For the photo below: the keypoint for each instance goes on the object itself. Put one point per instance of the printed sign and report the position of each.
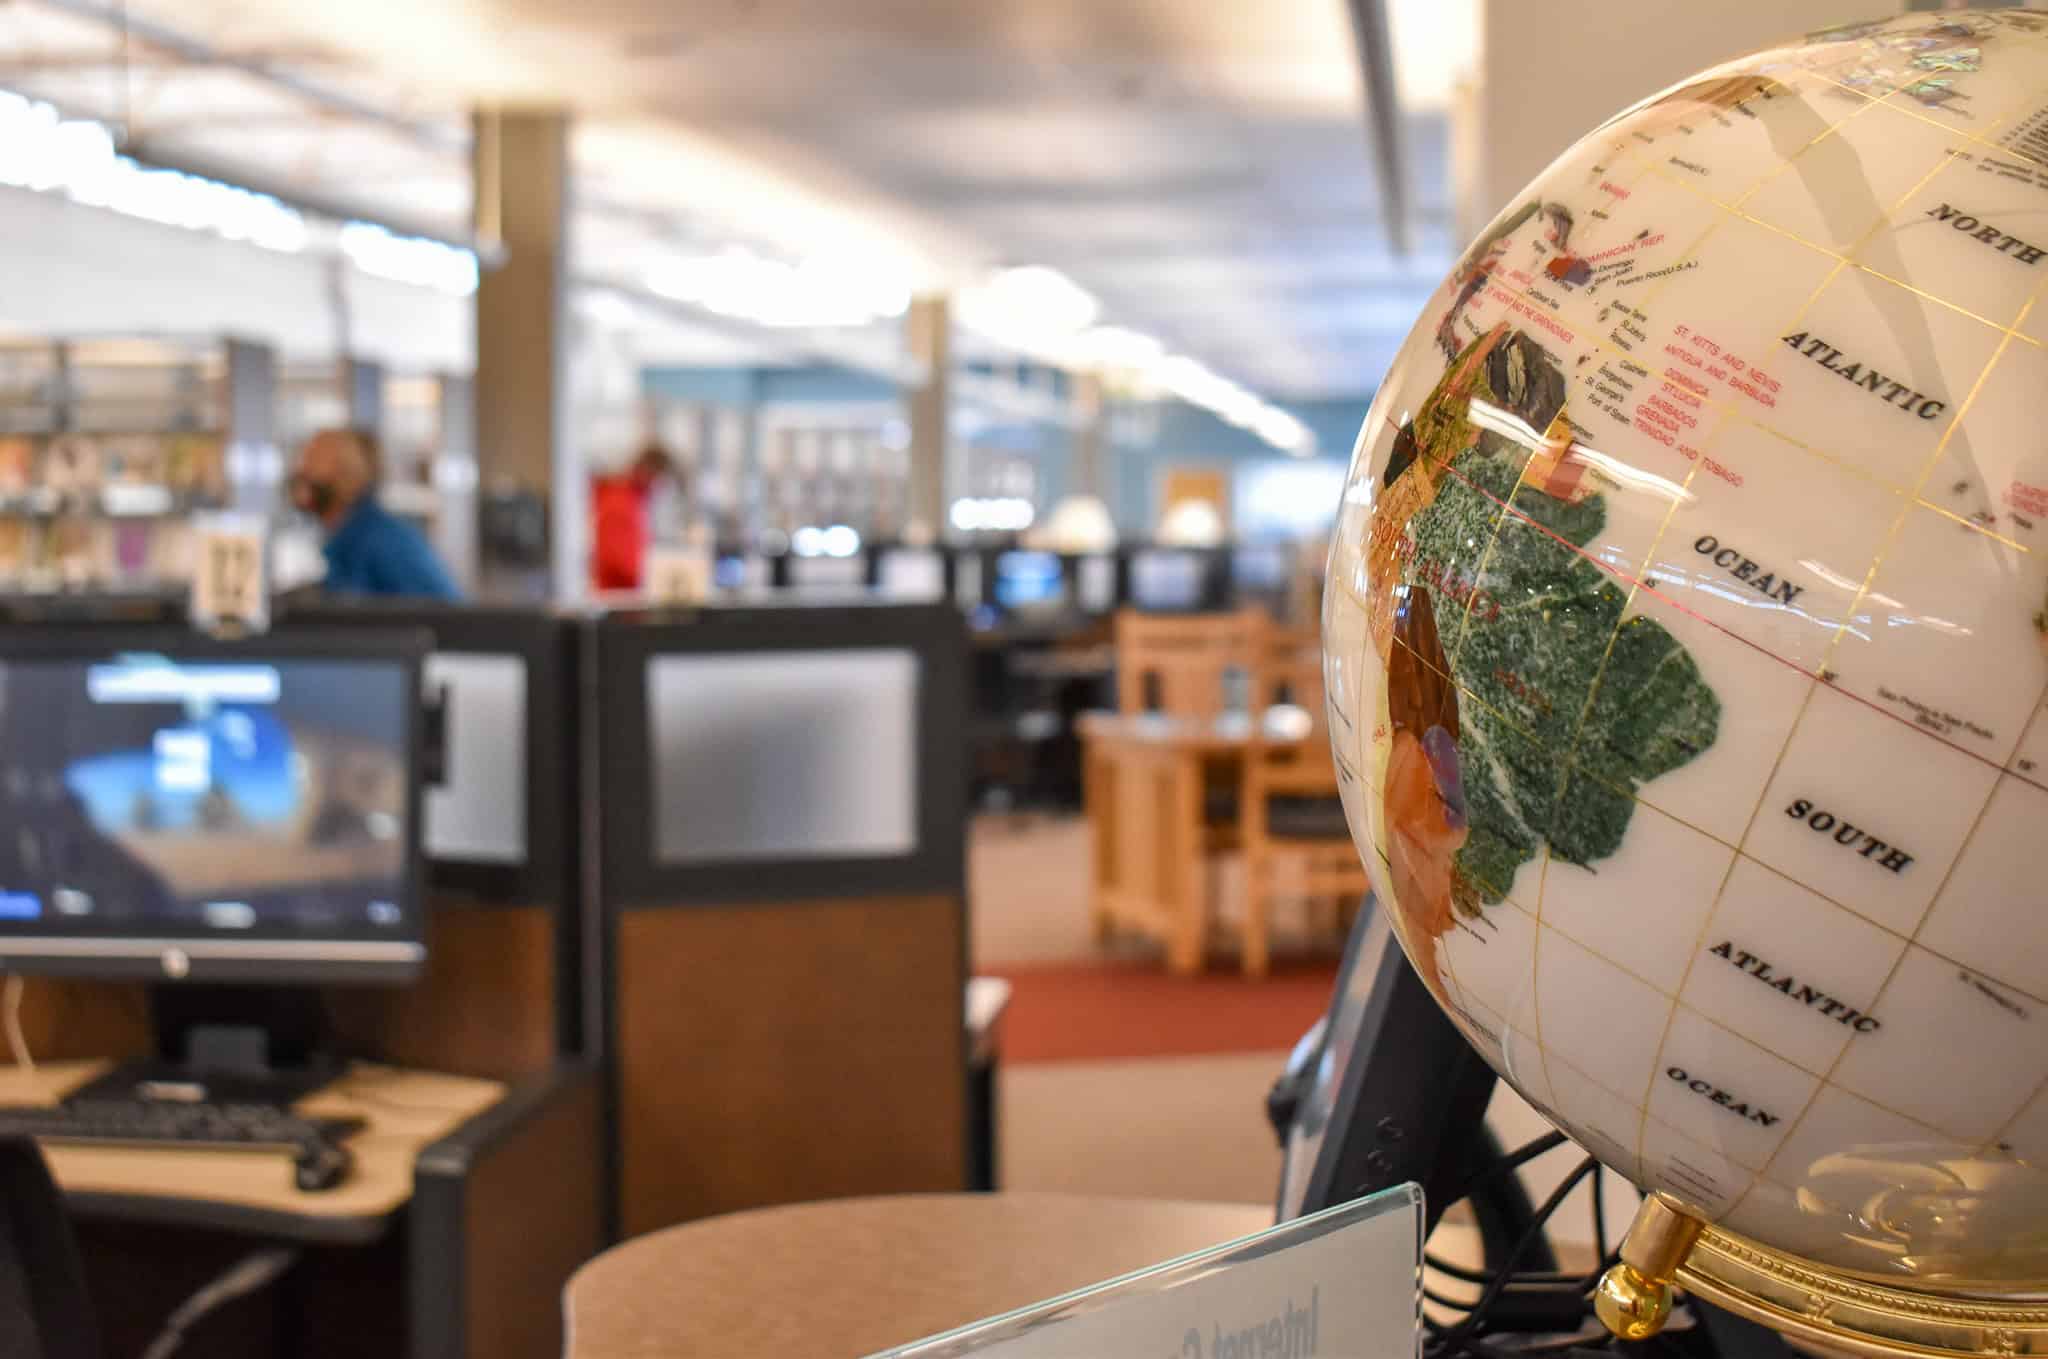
(677, 576)
(230, 586)
(1342, 1284)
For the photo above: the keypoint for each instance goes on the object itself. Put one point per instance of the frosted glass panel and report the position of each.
(913, 574)
(784, 755)
(478, 813)
(1098, 584)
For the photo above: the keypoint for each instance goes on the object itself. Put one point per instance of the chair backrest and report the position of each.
(1290, 671)
(45, 1312)
(1182, 665)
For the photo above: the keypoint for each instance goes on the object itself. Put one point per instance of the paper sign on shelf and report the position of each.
(230, 575)
(1342, 1284)
(677, 576)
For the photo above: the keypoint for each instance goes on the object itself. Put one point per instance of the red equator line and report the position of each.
(1611, 570)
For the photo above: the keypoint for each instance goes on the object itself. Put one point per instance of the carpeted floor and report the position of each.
(1108, 1010)
(1117, 1079)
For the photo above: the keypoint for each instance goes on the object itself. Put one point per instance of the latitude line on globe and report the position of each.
(1725, 405)
(1647, 585)
(1714, 907)
(1776, 872)
(1721, 892)
(1898, 524)
(1479, 571)
(2005, 1129)
(1661, 173)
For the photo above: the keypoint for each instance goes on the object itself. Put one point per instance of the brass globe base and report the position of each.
(1666, 1247)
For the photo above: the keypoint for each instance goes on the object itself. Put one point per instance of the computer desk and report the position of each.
(252, 1191)
(469, 1203)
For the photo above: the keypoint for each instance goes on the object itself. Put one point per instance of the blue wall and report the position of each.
(1185, 435)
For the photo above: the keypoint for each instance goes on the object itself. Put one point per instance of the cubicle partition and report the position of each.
(783, 893)
(503, 996)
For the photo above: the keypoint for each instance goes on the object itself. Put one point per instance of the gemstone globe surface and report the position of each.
(1684, 643)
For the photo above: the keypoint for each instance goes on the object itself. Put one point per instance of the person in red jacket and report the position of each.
(618, 513)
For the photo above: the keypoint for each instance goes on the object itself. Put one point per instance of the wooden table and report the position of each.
(1143, 780)
(403, 1111)
(853, 1276)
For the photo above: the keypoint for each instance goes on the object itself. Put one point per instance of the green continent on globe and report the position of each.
(1573, 707)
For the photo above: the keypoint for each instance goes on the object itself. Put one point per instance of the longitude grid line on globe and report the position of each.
(1479, 573)
(1507, 896)
(1806, 706)
(1933, 461)
(1735, 209)
(1912, 496)
(1726, 405)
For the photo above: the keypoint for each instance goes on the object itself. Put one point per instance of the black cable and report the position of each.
(1480, 1276)
(1477, 1316)
(1510, 1163)
(1455, 1304)
(1600, 1214)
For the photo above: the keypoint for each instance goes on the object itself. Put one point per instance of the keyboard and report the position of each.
(171, 1123)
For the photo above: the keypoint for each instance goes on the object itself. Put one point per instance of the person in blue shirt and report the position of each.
(370, 551)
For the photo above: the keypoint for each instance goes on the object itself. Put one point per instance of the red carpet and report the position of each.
(1096, 1011)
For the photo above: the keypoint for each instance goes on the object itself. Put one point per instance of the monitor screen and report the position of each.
(238, 803)
(827, 573)
(1261, 568)
(1029, 580)
(1096, 577)
(1333, 1062)
(912, 574)
(1164, 579)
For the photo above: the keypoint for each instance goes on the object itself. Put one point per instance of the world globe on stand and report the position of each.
(1684, 646)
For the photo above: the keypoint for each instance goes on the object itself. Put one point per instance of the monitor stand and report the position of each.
(227, 1045)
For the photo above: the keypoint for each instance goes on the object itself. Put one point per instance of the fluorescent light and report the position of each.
(1001, 514)
(42, 151)
(1030, 308)
(408, 259)
(813, 295)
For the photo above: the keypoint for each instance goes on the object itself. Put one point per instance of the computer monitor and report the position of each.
(1029, 582)
(827, 574)
(1168, 580)
(186, 809)
(1260, 570)
(911, 574)
(1095, 582)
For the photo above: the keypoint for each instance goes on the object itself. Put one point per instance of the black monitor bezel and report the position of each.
(625, 642)
(545, 642)
(394, 956)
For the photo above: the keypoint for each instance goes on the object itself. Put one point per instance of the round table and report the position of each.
(853, 1276)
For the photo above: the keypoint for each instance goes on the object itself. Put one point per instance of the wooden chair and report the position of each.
(1181, 665)
(1289, 811)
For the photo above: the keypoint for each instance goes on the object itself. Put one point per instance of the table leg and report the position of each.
(1098, 804)
(1187, 899)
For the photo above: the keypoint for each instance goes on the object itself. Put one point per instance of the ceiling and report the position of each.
(1202, 168)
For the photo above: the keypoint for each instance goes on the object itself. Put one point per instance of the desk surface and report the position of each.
(858, 1275)
(404, 1112)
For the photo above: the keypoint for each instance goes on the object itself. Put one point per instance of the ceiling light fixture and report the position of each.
(816, 294)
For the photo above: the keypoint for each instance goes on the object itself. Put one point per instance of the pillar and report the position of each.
(1530, 111)
(521, 170)
(931, 346)
(1091, 438)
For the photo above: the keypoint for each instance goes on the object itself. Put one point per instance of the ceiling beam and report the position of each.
(1383, 115)
(263, 66)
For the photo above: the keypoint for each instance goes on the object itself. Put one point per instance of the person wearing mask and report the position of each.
(369, 550)
(619, 519)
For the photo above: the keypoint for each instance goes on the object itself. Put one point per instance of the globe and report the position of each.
(1684, 647)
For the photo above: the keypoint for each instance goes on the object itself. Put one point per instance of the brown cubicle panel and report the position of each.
(786, 1026)
(778, 1052)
